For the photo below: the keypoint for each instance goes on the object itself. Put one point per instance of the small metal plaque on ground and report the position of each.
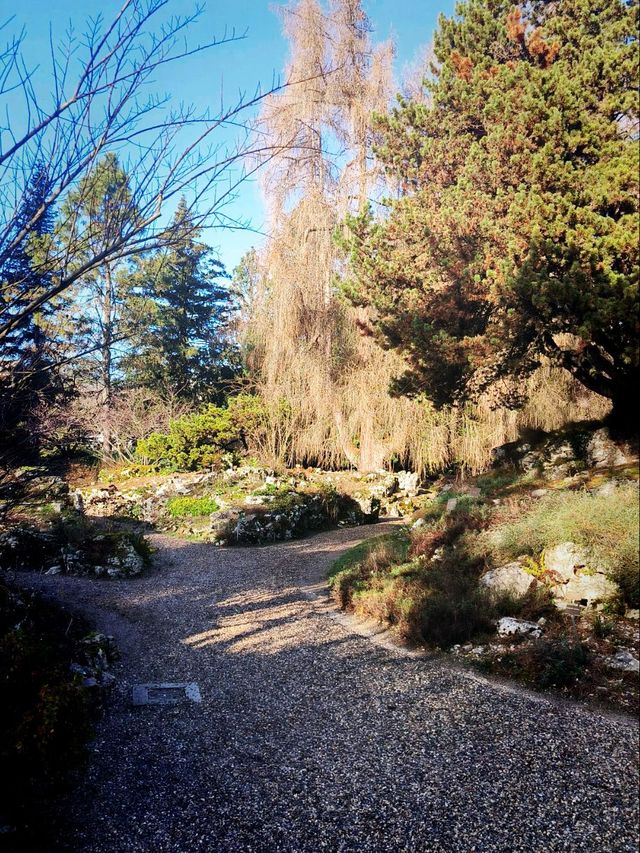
(169, 693)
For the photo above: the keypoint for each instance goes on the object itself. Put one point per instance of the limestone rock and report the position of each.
(389, 486)
(393, 511)
(606, 490)
(603, 452)
(106, 501)
(408, 482)
(565, 559)
(574, 578)
(369, 506)
(625, 660)
(256, 500)
(509, 626)
(510, 579)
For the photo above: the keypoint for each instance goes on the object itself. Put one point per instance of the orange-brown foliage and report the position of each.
(515, 26)
(538, 47)
(462, 64)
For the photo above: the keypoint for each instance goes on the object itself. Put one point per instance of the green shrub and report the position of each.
(202, 441)
(426, 583)
(606, 525)
(398, 542)
(454, 609)
(545, 664)
(179, 507)
(268, 489)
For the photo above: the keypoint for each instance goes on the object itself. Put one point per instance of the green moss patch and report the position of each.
(184, 505)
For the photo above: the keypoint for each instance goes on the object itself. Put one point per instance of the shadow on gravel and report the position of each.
(310, 738)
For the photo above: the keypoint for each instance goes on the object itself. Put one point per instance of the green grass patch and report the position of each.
(270, 489)
(398, 542)
(184, 505)
(499, 481)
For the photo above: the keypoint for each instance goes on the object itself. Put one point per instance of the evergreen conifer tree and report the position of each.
(178, 312)
(515, 231)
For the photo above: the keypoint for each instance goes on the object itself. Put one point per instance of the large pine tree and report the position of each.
(24, 275)
(515, 231)
(100, 207)
(28, 354)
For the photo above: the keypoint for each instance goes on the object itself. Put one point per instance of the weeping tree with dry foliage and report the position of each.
(313, 368)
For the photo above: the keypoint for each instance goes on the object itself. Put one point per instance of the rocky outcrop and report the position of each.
(96, 653)
(76, 551)
(574, 578)
(624, 660)
(602, 452)
(256, 505)
(563, 454)
(301, 514)
(109, 502)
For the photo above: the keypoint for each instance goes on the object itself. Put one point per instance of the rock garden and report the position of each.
(253, 505)
(529, 571)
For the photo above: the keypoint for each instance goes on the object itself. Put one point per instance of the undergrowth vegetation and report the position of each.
(46, 714)
(425, 582)
(185, 505)
(199, 441)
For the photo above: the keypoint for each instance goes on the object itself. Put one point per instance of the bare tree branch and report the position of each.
(111, 106)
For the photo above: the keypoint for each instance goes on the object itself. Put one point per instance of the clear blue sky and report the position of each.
(233, 68)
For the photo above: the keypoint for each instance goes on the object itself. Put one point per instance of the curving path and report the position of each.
(309, 737)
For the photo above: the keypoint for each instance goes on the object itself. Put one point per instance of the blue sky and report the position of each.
(232, 68)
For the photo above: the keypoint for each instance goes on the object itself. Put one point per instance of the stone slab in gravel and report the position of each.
(311, 737)
(165, 693)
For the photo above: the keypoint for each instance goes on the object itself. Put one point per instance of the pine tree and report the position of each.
(29, 353)
(24, 275)
(515, 233)
(179, 309)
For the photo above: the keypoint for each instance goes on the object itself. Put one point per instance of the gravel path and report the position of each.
(310, 737)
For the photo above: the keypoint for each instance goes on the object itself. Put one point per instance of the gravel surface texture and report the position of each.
(310, 737)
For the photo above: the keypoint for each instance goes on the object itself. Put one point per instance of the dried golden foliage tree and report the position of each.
(311, 358)
(323, 379)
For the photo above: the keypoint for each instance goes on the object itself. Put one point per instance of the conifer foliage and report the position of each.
(29, 350)
(178, 312)
(514, 232)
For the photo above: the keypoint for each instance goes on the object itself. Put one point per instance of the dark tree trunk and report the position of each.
(623, 420)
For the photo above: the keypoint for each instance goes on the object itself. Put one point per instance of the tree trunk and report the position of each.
(346, 445)
(372, 452)
(623, 419)
(106, 355)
